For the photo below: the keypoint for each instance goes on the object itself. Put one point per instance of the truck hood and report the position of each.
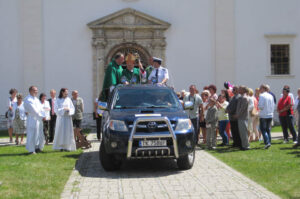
(132, 114)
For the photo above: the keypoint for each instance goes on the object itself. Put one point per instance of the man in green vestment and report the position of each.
(112, 75)
(131, 75)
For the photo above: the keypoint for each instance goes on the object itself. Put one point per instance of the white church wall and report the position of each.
(254, 20)
(194, 52)
(68, 50)
(11, 68)
(190, 46)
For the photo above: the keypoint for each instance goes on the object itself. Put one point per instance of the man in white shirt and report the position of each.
(159, 74)
(36, 115)
(193, 113)
(266, 106)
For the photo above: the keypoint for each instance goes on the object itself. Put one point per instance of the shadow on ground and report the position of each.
(89, 166)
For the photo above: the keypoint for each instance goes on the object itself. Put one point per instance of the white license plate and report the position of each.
(145, 143)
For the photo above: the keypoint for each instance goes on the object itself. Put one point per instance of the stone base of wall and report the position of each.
(87, 122)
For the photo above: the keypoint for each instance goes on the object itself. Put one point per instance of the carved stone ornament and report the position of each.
(127, 30)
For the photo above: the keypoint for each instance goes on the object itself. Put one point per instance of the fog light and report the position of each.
(113, 144)
(188, 143)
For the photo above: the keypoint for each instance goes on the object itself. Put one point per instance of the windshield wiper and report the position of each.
(125, 107)
(157, 106)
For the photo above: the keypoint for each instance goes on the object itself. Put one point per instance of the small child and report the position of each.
(211, 123)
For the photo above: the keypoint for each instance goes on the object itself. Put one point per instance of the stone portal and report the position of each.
(127, 30)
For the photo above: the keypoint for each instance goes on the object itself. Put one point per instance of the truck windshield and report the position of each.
(145, 98)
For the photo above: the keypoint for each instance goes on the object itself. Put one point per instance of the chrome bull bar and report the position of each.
(152, 135)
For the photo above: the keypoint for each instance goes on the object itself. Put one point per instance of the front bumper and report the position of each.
(127, 143)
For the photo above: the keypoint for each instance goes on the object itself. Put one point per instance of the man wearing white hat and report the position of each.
(159, 75)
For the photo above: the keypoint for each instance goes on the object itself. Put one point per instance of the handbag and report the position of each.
(9, 114)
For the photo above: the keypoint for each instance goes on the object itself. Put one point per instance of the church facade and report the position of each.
(55, 44)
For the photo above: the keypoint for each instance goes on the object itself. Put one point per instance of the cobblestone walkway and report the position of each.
(209, 178)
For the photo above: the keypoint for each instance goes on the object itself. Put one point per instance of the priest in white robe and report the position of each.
(35, 136)
(64, 135)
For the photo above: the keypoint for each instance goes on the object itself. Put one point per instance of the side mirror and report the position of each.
(188, 105)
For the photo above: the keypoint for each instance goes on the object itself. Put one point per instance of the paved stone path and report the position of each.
(5, 141)
(209, 178)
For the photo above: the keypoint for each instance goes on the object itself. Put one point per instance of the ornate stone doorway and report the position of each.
(125, 31)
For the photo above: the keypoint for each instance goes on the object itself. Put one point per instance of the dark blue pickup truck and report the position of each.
(146, 122)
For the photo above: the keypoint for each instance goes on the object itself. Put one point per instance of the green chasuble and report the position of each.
(131, 77)
(112, 78)
(148, 71)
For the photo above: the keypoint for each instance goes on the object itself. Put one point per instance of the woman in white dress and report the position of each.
(46, 107)
(19, 119)
(64, 135)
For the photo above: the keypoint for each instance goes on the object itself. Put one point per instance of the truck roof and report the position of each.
(142, 86)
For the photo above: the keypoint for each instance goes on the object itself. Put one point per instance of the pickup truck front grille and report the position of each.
(140, 131)
(143, 127)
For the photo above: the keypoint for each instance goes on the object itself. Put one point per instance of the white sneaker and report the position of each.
(285, 141)
(267, 146)
(295, 142)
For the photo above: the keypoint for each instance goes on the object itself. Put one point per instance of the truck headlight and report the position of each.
(118, 125)
(183, 125)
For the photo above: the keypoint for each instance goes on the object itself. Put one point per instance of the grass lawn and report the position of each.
(277, 169)
(276, 129)
(34, 176)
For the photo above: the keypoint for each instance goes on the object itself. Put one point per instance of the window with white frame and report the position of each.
(280, 55)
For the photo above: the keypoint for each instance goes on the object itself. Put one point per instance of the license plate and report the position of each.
(145, 143)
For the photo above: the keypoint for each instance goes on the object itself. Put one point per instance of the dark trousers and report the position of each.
(265, 128)
(235, 133)
(195, 122)
(52, 123)
(287, 122)
(299, 128)
(46, 130)
(98, 126)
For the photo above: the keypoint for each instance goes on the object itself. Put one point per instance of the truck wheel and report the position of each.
(187, 161)
(108, 161)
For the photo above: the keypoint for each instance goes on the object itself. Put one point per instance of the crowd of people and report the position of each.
(242, 114)
(237, 113)
(44, 121)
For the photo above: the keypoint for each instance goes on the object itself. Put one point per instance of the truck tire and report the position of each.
(108, 161)
(187, 161)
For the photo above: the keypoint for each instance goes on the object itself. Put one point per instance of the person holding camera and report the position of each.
(285, 110)
(193, 112)
(132, 75)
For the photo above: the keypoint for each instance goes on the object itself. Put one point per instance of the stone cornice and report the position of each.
(154, 22)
